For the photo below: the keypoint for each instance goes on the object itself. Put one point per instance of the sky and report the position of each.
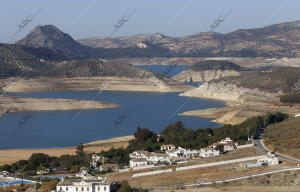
(89, 18)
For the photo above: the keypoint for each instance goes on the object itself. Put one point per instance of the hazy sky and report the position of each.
(87, 18)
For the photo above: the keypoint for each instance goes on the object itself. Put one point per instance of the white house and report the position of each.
(208, 152)
(96, 160)
(139, 154)
(75, 185)
(84, 174)
(158, 157)
(227, 143)
(228, 146)
(4, 174)
(179, 152)
(226, 140)
(167, 147)
(138, 162)
(191, 153)
(109, 167)
(269, 160)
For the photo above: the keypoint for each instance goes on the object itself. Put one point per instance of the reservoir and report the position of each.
(68, 128)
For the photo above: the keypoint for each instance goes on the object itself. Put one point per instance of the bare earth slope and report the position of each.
(284, 137)
(252, 93)
(204, 71)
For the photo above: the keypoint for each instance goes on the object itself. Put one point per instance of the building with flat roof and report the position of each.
(77, 185)
(138, 162)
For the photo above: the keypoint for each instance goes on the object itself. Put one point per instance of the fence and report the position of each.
(152, 173)
(218, 163)
(245, 146)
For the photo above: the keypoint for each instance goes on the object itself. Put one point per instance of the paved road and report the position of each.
(261, 147)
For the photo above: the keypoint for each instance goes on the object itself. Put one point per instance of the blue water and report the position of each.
(17, 182)
(167, 70)
(69, 128)
(53, 177)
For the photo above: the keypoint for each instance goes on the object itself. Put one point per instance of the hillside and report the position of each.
(253, 92)
(215, 65)
(51, 37)
(291, 98)
(18, 60)
(279, 40)
(208, 70)
(284, 137)
(270, 80)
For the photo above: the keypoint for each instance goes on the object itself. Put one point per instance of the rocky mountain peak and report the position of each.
(46, 36)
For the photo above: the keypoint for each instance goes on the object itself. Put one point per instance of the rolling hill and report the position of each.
(19, 60)
(51, 37)
(284, 137)
(279, 40)
(208, 70)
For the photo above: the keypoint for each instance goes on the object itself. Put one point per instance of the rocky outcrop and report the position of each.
(231, 92)
(209, 70)
(203, 76)
(242, 103)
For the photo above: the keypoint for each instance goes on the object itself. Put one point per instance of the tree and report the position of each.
(176, 128)
(38, 159)
(80, 149)
(143, 135)
(125, 187)
(220, 148)
(6, 168)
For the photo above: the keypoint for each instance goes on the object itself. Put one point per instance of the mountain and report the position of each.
(279, 40)
(51, 37)
(126, 41)
(19, 60)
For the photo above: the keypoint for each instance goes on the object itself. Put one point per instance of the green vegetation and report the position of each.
(144, 139)
(45, 62)
(215, 65)
(40, 161)
(178, 135)
(291, 98)
(125, 187)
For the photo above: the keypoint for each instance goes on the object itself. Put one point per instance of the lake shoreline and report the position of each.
(8, 156)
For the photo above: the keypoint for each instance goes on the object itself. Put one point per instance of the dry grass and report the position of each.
(238, 189)
(14, 155)
(284, 137)
(197, 175)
